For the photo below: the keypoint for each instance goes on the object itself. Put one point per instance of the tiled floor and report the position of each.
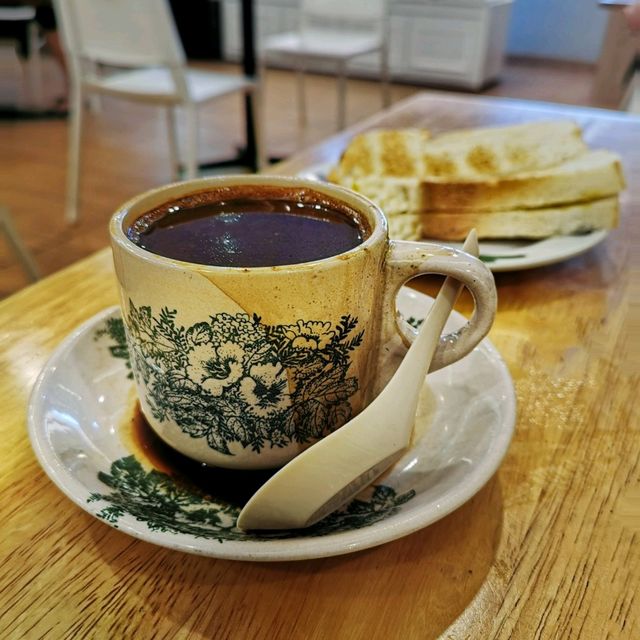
(125, 149)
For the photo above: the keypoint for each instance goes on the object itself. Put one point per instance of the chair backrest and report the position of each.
(365, 15)
(129, 33)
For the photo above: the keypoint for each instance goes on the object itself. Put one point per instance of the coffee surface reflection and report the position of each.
(247, 231)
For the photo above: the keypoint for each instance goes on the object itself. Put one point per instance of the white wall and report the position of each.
(562, 29)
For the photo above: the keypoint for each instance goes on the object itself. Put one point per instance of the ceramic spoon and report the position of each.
(332, 471)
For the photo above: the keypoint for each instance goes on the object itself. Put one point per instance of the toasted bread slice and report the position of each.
(382, 153)
(392, 195)
(526, 223)
(474, 154)
(405, 226)
(589, 176)
(471, 154)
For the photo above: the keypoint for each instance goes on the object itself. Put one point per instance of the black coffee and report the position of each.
(249, 227)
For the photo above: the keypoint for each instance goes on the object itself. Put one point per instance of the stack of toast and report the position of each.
(529, 180)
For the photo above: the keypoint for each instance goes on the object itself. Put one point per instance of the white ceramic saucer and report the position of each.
(83, 401)
(516, 255)
(510, 255)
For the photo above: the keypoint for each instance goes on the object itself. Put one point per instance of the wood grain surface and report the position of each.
(549, 548)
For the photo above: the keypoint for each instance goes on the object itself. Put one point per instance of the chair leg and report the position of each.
(385, 88)
(174, 156)
(342, 96)
(631, 99)
(634, 101)
(14, 240)
(191, 154)
(34, 68)
(257, 111)
(302, 100)
(94, 101)
(74, 156)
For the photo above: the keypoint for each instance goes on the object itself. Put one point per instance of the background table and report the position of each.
(549, 548)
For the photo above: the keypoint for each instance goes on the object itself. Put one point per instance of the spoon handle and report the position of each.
(417, 360)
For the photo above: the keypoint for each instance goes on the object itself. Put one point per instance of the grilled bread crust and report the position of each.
(470, 154)
(382, 152)
(525, 223)
(589, 176)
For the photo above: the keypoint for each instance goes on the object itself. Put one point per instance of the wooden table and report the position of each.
(549, 548)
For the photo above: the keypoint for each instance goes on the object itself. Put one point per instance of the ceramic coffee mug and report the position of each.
(245, 367)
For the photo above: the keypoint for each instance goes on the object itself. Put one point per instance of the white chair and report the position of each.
(139, 38)
(336, 31)
(15, 242)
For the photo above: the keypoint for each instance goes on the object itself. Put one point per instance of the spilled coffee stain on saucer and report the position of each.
(214, 484)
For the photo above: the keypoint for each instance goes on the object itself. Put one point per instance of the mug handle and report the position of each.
(406, 260)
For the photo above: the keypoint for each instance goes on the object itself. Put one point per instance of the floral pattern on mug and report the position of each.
(233, 379)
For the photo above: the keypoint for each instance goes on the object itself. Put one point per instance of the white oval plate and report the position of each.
(83, 398)
(509, 255)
